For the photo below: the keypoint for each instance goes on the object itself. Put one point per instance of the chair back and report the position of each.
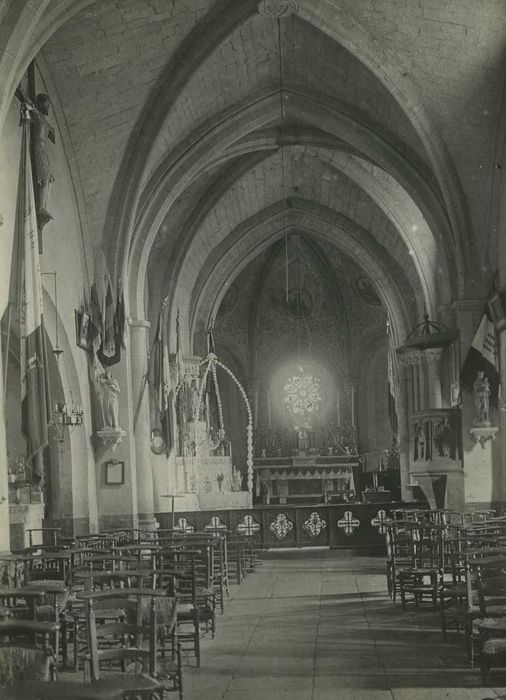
(122, 641)
(28, 651)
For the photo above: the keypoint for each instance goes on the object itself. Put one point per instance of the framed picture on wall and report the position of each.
(497, 308)
(115, 473)
(83, 329)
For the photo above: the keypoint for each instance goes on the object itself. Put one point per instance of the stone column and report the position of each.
(141, 426)
(408, 363)
(351, 390)
(501, 442)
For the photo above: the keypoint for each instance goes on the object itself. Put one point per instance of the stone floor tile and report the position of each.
(441, 693)
(352, 694)
(317, 624)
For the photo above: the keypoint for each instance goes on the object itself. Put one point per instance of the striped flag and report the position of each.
(393, 384)
(118, 325)
(35, 396)
(108, 335)
(161, 379)
(483, 357)
(95, 320)
(119, 319)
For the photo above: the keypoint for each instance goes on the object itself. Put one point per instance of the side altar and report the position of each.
(205, 475)
(305, 475)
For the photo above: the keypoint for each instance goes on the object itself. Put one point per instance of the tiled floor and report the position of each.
(317, 625)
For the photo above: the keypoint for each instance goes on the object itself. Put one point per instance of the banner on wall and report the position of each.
(483, 357)
(161, 379)
(35, 396)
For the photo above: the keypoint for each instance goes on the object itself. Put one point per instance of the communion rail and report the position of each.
(344, 525)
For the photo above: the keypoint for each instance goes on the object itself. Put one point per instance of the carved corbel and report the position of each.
(483, 434)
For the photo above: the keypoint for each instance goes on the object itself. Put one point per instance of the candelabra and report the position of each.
(66, 416)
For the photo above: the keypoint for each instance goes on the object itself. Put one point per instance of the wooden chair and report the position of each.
(195, 603)
(421, 580)
(489, 628)
(49, 535)
(28, 651)
(400, 553)
(110, 608)
(117, 643)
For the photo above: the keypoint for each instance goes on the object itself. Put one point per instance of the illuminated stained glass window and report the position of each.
(302, 394)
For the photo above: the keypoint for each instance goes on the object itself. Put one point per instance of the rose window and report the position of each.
(302, 394)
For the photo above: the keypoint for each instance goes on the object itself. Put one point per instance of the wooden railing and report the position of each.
(346, 525)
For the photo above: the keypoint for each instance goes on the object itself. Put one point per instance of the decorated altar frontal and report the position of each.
(305, 476)
(342, 525)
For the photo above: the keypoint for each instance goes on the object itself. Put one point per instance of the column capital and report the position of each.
(191, 364)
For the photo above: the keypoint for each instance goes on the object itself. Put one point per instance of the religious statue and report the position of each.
(444, 438)
(110, 404)
(419, 442)
(188, 446)
(195, 402)
(42, 131)
(481, 392)
(236, 484)
(302, 439)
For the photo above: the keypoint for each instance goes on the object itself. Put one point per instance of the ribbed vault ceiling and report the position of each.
(172, 111)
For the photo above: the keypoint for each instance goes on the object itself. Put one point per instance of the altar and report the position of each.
(305, 476)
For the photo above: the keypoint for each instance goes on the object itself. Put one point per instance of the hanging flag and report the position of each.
(179, 354)
(118, 324)
(483, 357)
(95, 320)
(35, 397)
(108, 339)
(161, 379)
(393, 384)
(119, 319)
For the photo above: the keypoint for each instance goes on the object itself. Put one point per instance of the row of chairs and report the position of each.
(115, 599)
(455, 562)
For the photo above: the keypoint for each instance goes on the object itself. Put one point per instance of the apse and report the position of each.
(301, 399)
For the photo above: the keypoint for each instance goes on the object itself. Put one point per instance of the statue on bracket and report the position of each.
(481, 393)
(110, 399)
(111, 433)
